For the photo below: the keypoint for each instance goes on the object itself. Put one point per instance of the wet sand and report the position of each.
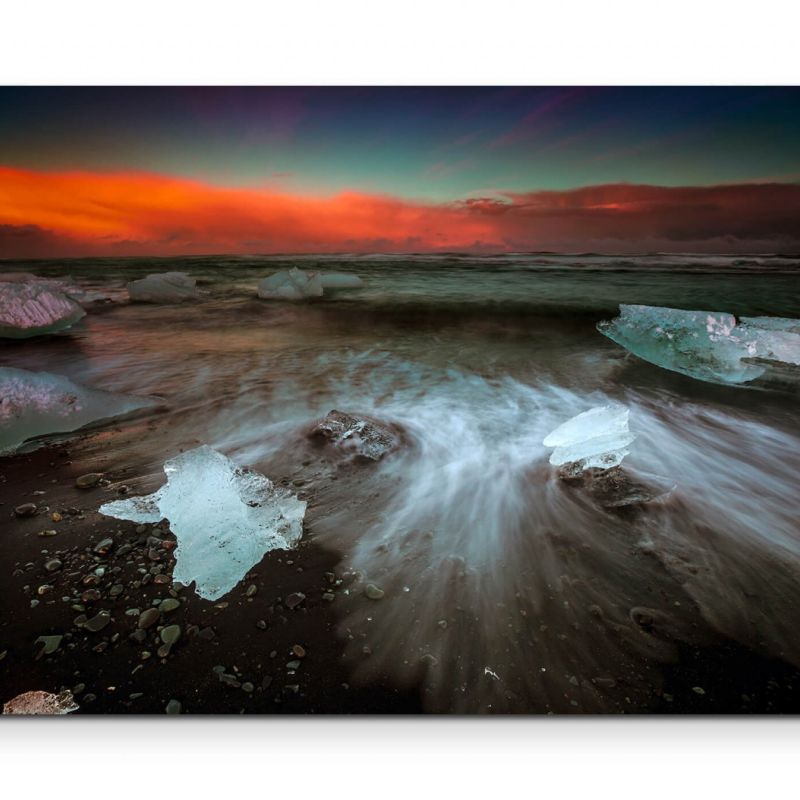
(251, 633)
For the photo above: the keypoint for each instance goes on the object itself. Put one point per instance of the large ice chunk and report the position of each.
(597, 438)
(39, 403)
(224, 517)
(708, 345)
(165, 287)
(295, 284)
(33, 308)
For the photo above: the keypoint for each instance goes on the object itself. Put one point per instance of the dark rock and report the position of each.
(373, 592)
(148, 618)
(358, 436)
(49, 644)
(89, 480)
(170, 634)
(103, 547)
(53, 565)
(26, 510)
(294, 600)
(173, 707)
(98, 622)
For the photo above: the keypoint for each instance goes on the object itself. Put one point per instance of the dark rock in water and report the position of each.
(89, 480)
(26, 510)
(373, 592)
(615, 488)
(358, 436)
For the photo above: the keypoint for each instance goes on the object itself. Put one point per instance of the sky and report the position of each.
(170, 171)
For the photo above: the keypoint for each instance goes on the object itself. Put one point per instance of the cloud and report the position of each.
(128, 213)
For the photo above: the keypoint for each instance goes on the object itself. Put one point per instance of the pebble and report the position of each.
(293, 665)
(247, 687)
(294, 600)
(373, 592)
(26, 510)
(328, 597)
(170, 634)
(56, 517)
(162, 579)
(47, 533)
(173, 707)
(698, 690)
(53, 565)
(89, 480)
(299, 651)
(49, 644)
(148, 618)
(251, 590)
(429, 659)
(168, 605)
(103, 547)
(98, 622)
(207, 633)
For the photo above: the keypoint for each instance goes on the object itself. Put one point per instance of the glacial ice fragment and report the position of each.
(39, 403)
(597, 438)
(34, 308)
(340, 280)
(708, 345)
(224, 517)
(38, 703)
(295, 284)
(165, 287)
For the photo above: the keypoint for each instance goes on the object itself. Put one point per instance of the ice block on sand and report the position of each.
(33, 308)
(225, 518)
(39, 403)
(165, 287)
(597, 438)
(707, 345)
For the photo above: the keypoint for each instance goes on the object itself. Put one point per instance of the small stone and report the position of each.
(116, 590)
(299, 650)
(698, 690)
(207, 633)
(49, 644)
(252, 589)
(164, 650)
(56, 517)
(294, 600)
(170, 634)
(442, 623)
(604, 683)
(53, 565)
(139, 636)
(293, 665)
(44, 534)
(162, 579)
(170, 604)
(173, 707)
(429, 659)
(373, 592)
(148, 618)
(247, 687)
(89, 480)
(261, 625)
(98, 622)
(104, 546)
(329, 597)
(26, 510)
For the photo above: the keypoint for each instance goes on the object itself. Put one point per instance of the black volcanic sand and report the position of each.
(251, 637)
(239, 654)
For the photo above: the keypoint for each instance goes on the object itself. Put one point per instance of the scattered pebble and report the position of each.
(26, 510)
(373, 592)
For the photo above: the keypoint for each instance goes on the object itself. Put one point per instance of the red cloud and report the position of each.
(81, 213)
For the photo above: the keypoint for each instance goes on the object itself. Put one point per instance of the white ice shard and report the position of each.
(708, 345)
(165, 287)
(34, 308)
(224, 517)
(39, 403)
(295, 284)
(596, 438)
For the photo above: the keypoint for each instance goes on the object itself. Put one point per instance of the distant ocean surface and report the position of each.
(478, 359)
